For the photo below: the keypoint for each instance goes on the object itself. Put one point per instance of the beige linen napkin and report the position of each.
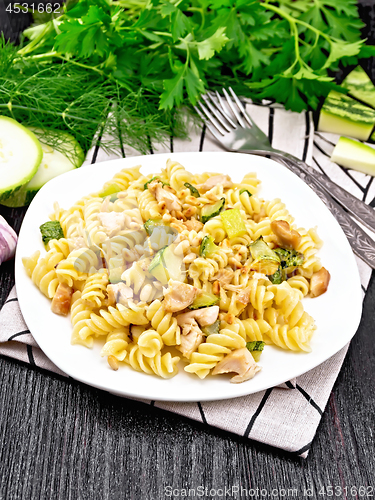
(287, 416)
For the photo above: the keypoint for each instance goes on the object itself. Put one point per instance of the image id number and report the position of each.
(49, 8)
(349, 491)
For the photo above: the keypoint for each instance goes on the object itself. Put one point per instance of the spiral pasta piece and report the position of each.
(107, 321)
(177, 175)
(79, 314)
(123, 178)
(299, 283)
(276, 210)
(148, 206)
(95, 289)
(94, 233)
(215, 228)
(150, 343)
(77, 265)
(116, 343)
(213, 350)
(42, 271)
(251, 205)
(294, 339)
(164, 323)
(164, 366)
(307, 246)
(250, 329)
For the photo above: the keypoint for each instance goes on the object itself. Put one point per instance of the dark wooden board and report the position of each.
(63, 440)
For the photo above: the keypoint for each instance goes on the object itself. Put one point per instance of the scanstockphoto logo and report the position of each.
(136, 259)
(234, 491)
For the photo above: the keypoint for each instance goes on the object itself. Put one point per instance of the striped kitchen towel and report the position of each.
(286, 419)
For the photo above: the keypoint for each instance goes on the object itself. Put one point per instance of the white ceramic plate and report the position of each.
(337, 312)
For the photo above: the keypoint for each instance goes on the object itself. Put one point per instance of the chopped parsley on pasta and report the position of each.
(177, 270)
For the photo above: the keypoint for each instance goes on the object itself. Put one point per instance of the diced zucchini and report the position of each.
(245, 191)
(341, 114)
(233, 223)
(51, 230)
(360, 86)
(166, 265)
(209, 211)
(355, 155)
(266, 261)
(211, 329)
(204, 299)
(111, 190)
(115, 275)
(193, 190)
(207, 246)
(256, 349)
(150, 225)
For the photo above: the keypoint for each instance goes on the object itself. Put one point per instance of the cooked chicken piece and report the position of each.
(171, 201)
(244, 296)
(286, 237)
(211, 182)
(119, 293)
(206, 316)
(62, 299)
(191, 338)
(112, 222)
(319, 282)
(224, 276)
(239, 361)
(193, 225)
(178, 296)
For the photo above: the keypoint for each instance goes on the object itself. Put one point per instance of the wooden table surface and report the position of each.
(61, 439)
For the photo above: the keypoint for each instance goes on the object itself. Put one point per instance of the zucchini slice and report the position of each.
(360, 86)
(151, 224)
(204, 299)
(193, 190)
(20, 157)
(211, 329)
(341, 114)
(266, 261)
(166, 265)
(245, 191)
(65, 156)
(207, 246)
(111, 191)
(355, 155)
(209, 211)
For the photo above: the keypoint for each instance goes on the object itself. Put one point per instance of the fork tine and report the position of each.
(234, 111)
(212, 119)
(210, 128)
(221, 107)
(241, 107)
(219, 117)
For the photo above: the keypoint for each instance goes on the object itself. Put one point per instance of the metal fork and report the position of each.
(231, 125)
